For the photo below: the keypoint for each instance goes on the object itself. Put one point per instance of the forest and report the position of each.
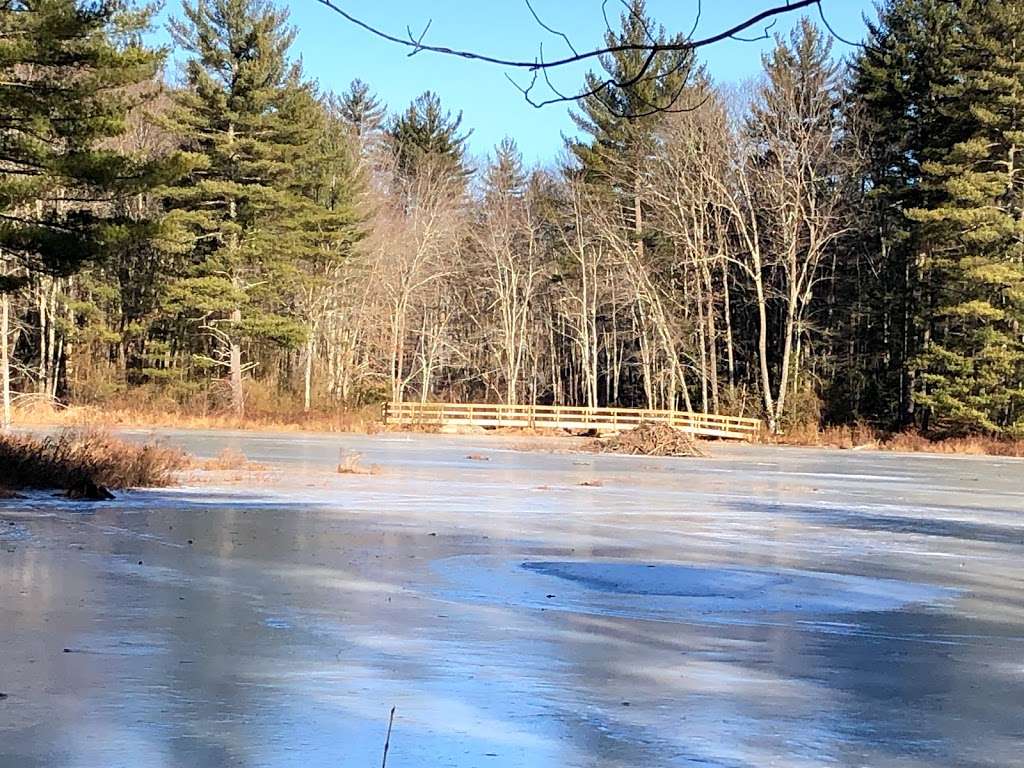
(840, 241)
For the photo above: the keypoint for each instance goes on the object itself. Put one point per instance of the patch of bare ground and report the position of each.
(86, 464)
(649, 440)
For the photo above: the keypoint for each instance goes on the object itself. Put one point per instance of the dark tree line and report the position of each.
(842, 241)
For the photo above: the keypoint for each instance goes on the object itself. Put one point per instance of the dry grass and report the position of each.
(227, 459)
(85, 463)
(350, 463)
(362, 421)
(864, 437)
(847, 437)
(912, 442)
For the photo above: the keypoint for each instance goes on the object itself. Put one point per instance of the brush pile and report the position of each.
(85, 464)
(649, 440)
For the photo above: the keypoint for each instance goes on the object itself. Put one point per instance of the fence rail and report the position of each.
(566, 417)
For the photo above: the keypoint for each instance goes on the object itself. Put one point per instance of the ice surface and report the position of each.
(764, 607)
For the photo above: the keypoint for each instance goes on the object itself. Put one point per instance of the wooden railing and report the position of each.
(565, 417)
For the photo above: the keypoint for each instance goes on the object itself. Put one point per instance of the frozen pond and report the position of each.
(764, 607)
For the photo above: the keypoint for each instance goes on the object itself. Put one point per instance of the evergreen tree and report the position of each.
(505, 177)
(243, 216)
(802, 88)
(426, 133)
(973, 228)
(332, 176)
(329, 173)
(895, 111)
(360, 108)
(619, 120)
(70, 73)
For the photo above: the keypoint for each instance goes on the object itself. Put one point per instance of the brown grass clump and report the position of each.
(349, 463)
(227, 459)
(649, 440)
(85, 464)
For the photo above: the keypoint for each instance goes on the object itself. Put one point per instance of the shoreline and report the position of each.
(366, 422)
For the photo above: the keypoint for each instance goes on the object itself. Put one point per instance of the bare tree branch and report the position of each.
(547, 28)
(768, 17)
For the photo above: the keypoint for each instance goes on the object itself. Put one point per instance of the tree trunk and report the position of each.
(307, 389)
(69, 371)
(762, 350)
(5, 361)
(237, 393)
(43, 352)
(235, 350)
(712, 346)
(729, 352)
(702, 337)
(787, 353)
(51, 342)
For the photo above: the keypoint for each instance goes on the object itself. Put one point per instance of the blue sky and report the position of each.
(334, 52)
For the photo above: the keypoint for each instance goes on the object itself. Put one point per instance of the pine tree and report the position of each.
(250, 118)
(426, 133)
(70, 72)
(973, 364)
(331, 176)
(504, 176)
(360, 108)
(801, 86)
(895, 110)
(617, 120)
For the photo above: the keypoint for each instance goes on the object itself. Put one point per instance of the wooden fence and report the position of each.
(565, 417)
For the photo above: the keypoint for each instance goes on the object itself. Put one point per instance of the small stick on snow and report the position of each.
(387, 739)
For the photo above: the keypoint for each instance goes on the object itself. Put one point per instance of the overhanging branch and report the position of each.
(762, 22)
(417, 45)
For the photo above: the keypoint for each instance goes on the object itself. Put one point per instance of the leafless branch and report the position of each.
(547, 28)
(538, 64)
